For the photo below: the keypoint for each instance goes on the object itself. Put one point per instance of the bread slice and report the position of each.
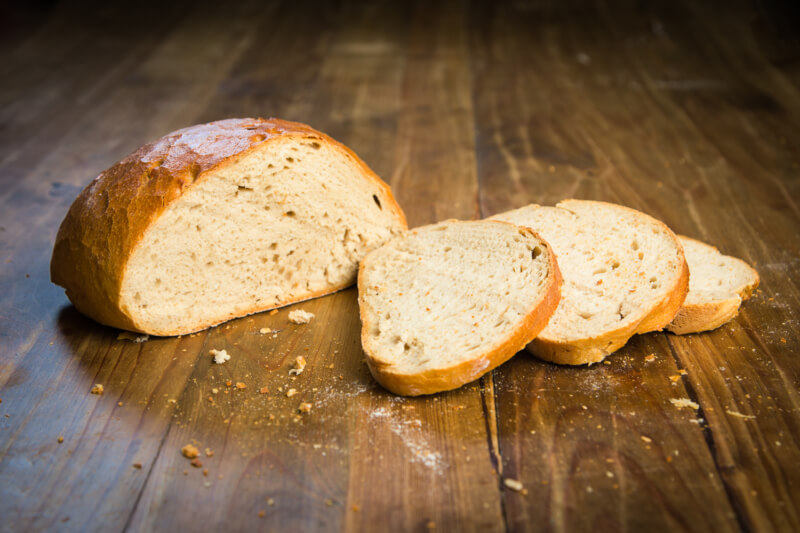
(446, 303)
(624, 273)
(717, 285)
(217, 221)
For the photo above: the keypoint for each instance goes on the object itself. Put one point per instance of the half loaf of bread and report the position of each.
(217, 221)
(717, 286)
(444, 304)
(624, 273)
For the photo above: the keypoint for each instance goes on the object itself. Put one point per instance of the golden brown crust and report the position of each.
(595, 349)
(108, 219)
(443, 379)
(705, 316)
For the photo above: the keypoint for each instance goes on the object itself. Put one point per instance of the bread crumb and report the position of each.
(513, 484)
(220, 356)
(270, 502)
(215, 390)
(684, 402)
(431, 524)
(228, 383)
(190, 451)
(299, 366)
(305, 407)
(205, 472)
(60, 439)
(674, 378)
(356, 508)
(197, 463)
(97, 389)
(298, 316)
(264, 390)
(783, 340)
(240, 385)
(682, 372)
(137, 466)
(329, 502)
(650, 358)
(273, 312)
(119, 404)
(740, 415)
(262, 513)
(264, 331)
(646, 439)
(291, 392)
(133, 337)
(209, 452)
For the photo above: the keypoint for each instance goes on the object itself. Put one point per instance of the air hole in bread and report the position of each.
(585, 315)
(601, 270)
(314, 145)
(290, 213)
(290, 159)
(243, 188)
(536, 252)
(447, 249)
(377, 201)
(641, 256)
(635, 245)
(615, 265)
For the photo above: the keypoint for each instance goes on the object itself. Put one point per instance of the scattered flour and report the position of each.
(410, 432)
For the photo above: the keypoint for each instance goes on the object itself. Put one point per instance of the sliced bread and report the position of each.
(217, 221)
(717, 286)
(624, 273)
(446, 303)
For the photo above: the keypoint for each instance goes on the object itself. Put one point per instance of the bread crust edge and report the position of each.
(92, 269)
(444, 379)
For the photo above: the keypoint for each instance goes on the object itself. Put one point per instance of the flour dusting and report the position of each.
(410, 432)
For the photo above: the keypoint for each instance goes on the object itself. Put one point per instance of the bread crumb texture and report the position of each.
(684, 402)
(298, 316)
(622, 269)
(218, 221)
(446, 303)
(97, 389)
(190, 451)
(220, 356)
(717, 286)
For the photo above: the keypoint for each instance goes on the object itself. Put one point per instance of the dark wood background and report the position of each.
(686, 110)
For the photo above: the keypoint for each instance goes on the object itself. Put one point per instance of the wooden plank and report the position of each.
(429, 455)
(744, 374)
(654, 106)
(357, 436)
(39, 377)
(594, 467)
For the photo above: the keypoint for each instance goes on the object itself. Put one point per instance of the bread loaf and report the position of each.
(624, 273)
(717, 286)
(444, 304)
(217, 221)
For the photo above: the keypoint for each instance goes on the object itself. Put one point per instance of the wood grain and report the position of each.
(688, 111)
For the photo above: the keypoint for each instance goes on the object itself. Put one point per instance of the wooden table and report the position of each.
(689, 113)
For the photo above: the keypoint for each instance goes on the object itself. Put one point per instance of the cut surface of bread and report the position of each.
(717, 286)
(624, 273)
(218, 221)
(444, 304)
